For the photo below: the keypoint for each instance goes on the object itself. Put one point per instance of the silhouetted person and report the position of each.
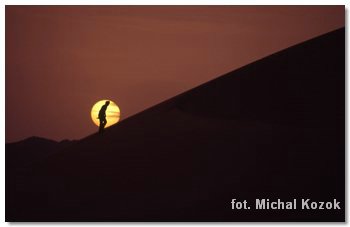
(102, 117)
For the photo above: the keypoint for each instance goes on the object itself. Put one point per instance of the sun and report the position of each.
(112, 112)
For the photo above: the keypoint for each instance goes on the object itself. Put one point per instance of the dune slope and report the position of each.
(272, 129)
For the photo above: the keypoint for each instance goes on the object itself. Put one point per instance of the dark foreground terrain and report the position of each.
(272, 129)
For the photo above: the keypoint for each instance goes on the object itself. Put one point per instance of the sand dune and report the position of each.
(272, 129)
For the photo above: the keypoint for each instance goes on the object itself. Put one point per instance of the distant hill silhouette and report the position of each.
(272, 129)
(26, 152)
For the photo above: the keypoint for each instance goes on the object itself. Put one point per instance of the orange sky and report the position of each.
(60, 60)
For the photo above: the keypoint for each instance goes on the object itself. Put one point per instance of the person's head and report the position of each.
(107, 103)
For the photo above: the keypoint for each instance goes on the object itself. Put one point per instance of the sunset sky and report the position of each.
(60, 60)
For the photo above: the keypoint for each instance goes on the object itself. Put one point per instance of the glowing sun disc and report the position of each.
(112, 112)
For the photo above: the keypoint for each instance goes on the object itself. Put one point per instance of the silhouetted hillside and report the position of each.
(272, 129)
(26, 152)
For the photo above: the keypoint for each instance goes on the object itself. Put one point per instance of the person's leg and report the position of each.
(100, 129)
(103, 123)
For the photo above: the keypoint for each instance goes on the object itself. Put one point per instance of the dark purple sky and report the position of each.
(60, 60)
